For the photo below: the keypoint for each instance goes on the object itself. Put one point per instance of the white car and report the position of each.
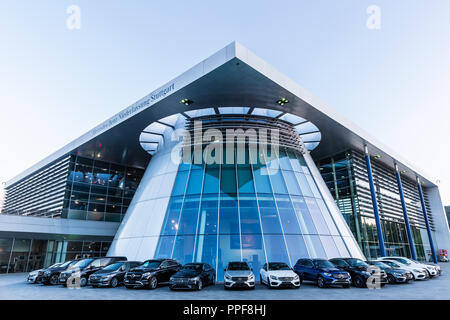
(239, 275)
(430, 269)
(277, 275)
(418, 273)
(33, 275)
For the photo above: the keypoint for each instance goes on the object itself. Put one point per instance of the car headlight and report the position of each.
(227, 276)
(417, 270)
(147, 274)
(273, 278)
(327, 274)
(366, 273)
(296, 277)
(196, 279)
(47, 273)
(251, 277)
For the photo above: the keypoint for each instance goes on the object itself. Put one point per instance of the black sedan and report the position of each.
(193, 276)
(112, 275)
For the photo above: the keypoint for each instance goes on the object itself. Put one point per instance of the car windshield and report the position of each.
(55, 265)
(192, 267)
(113, 267)
(323, 264)
(81, 264)
(151, 264)
(380, 264)
(402, 261)
(356, 263)
(238, 266)
(99, 263)
(391, 264)
(65, 264)
(278, 266)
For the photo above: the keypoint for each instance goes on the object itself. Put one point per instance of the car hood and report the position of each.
(282, 273)
(143, 269)
(331, 270)
(239, 273)
(104, 272)
(187, 273)
(35, 272)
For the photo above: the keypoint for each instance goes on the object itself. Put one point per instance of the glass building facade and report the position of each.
(25, 255)
(346, 177)
(98, 190)
(248, 212)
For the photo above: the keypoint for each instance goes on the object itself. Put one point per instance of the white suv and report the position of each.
(277, 275)
(431, 270)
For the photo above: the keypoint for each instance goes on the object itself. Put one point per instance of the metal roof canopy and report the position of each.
(233, 76)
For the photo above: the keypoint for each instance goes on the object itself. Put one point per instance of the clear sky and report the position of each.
(57, 83)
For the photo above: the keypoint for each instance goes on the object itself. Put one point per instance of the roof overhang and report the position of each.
(233, 76)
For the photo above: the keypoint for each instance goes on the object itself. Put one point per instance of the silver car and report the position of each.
(239, 275)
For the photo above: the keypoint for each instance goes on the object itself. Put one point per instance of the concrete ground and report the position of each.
(14, 287)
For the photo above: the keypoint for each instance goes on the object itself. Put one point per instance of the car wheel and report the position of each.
(54, 279)
(359, 282)
(153, 283)
(83, 282)
(199, 285)
(114, 282)
(321, 282)
(391, 278)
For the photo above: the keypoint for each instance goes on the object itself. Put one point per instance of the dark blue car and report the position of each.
(323, 272)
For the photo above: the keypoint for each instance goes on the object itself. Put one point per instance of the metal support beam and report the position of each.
(427, 223)
(374, 202)
(405, 213)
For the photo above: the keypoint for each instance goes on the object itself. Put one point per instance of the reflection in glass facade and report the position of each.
(25, 255)
(248, 212)
(98, 190)
(75, 187)
(346, 177)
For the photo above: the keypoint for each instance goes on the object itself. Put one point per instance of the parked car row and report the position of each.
(344, 272)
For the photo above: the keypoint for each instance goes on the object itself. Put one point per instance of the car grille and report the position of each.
(285, 278)
(239, 278)
(134, 275)
(340, 275)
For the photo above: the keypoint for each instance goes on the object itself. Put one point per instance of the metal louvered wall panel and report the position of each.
(40, 194)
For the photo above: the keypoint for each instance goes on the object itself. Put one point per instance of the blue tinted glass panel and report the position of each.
(228, 180)
(229, 250)
(262, 181)
(319, 221)
(180, 183)
(206, 249)
(315, 246)
(287, 215)
(269, 214)
(245, 180)
(172, 216)
(228, 214)
(183, 250)
(304, 185)
(211, 184)
(277, 181)
(165, 246)
(284, 161)
(330, 246)
(208, 217)
(294, 162)
(253, 251)
(296, 247)
(188, 219)
(276, 248)
(195, 182)
(303, 216)
(249, 215)
(291, 182)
